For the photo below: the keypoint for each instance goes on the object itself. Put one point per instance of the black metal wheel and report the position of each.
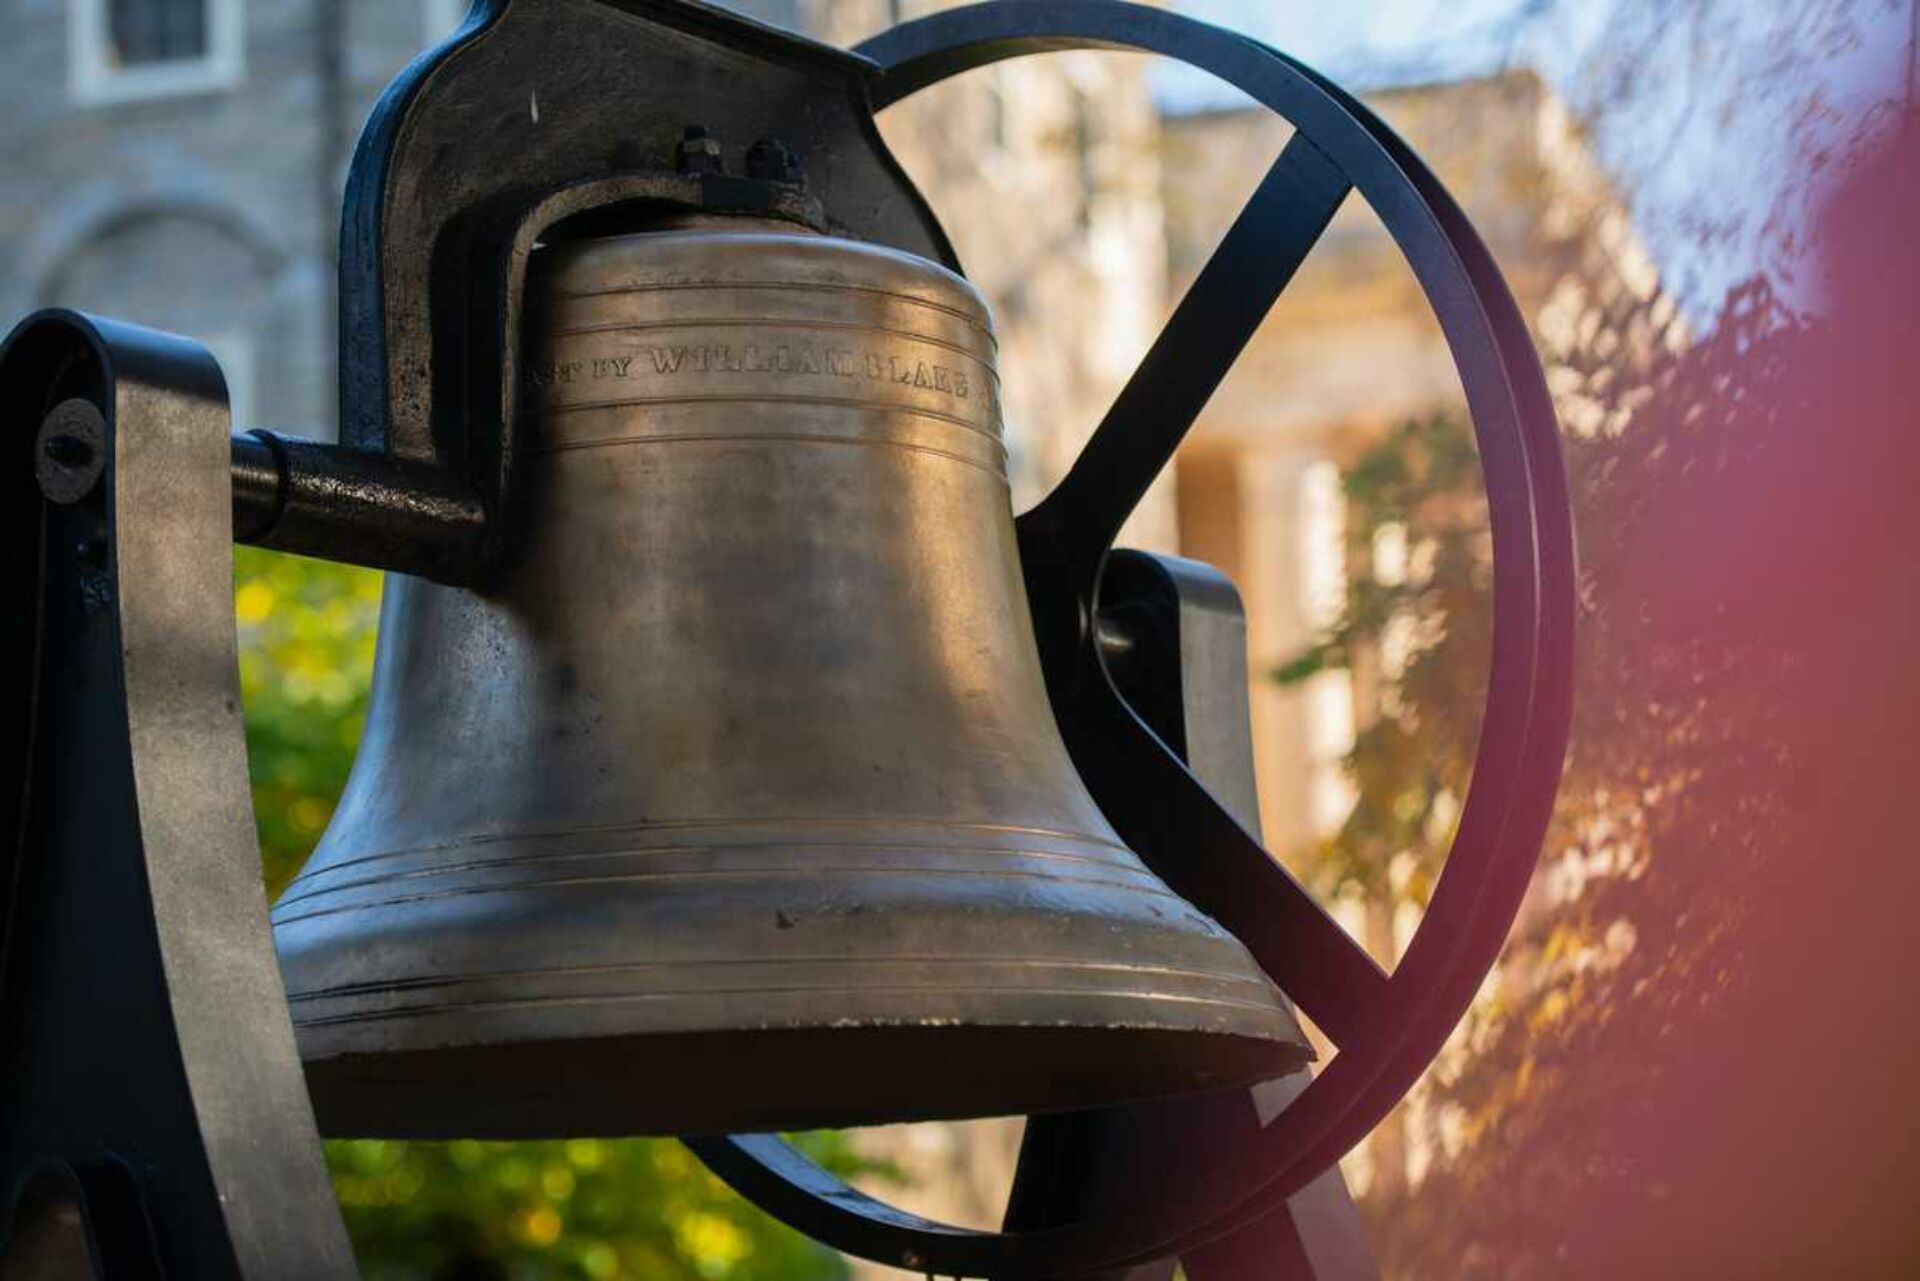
(1388, 1027)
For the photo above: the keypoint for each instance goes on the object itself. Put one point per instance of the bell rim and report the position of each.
(778, 1079)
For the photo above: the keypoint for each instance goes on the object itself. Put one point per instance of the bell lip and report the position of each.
(1210, 986)
(780, 1079)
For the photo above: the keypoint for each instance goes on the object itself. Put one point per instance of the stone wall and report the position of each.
(215, 213)
(208, 213)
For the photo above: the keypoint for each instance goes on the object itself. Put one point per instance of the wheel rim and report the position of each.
(1389, 1027)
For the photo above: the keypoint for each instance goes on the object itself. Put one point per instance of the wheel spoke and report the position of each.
(1393, 1026)
(1203, 853)
(1191, 357)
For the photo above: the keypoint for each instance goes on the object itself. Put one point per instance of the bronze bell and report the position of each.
(738, 803)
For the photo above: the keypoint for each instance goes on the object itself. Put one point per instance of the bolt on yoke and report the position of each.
(634, 117)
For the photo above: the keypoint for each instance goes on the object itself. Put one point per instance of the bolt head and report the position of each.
(771, 160)
(699, 152)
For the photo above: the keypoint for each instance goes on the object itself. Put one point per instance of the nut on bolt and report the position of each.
(699, 151)
(771, 160)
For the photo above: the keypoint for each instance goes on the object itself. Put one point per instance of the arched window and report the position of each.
(122, 49)
(183, 272)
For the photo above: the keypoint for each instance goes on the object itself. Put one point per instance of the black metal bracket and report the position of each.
(155, 1121)
(535, 115)
(1174, 637)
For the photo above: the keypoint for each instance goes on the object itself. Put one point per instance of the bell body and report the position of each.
(738, 803)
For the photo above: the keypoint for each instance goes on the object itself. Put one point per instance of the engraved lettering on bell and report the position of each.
(800, 359)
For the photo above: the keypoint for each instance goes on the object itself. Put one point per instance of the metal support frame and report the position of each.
(182, 1046)
(1175, 638)
(155, 1121)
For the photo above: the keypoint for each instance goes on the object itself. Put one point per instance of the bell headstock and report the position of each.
(537, 111)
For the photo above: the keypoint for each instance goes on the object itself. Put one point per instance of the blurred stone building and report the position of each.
(1351, 349)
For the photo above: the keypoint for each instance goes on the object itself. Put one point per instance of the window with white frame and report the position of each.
(122, 49)
(1330, 720)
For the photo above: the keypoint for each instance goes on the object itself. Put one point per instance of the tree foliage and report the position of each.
(1695, 1058)
(306, 657)
(1420, 633)
(1630, 934)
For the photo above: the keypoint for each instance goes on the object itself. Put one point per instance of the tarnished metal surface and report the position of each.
(740, 803)
(357, 506)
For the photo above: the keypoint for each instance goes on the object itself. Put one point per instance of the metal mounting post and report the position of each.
(1174, 637)
(155, 1122)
